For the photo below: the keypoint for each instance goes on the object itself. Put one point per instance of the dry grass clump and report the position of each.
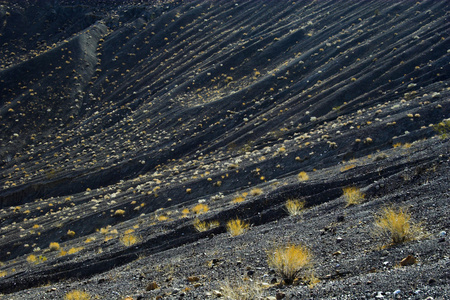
(347, 167)
(256, 192)
(108, 238)
(242, 290)
(205, 226)
(131, 230)
(396, 225)
(295, 207)
(77, 295)
(353, 196)
(185, 212)
(33, 259)
(303, 176)
(72, 250)
(89, 240)
(104, 230)
(200, 208)
(162, 218)
(443, 128)
(238, 199)
(129, 239)
(291, 261)
(54, 246)
(236, 227)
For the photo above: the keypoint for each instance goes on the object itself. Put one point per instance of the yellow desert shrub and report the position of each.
(119, 213)
(74, 250)
(33, 259)
(162, 218)
(242, 290)
(238, 199)
(77, 295)
(295, 207)
(256, 192)
(89, 240)
(200, 208)
(443, 128)
(352, 196)
(205, 226)
(303, 176)
(291, 261)
(129, 239)
(396, 225)
(236, 227)
(54, 246)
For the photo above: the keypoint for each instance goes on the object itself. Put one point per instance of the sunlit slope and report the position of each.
(164, 105)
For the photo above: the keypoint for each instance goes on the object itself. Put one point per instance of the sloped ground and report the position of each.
(118, 120)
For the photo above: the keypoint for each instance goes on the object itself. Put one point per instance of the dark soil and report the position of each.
(118, 118)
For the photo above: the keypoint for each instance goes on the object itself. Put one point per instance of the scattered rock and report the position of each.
(152, 286)
(280, 295)
(193, 278)
(408, 261)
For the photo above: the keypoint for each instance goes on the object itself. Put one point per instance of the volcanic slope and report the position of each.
(122, 125)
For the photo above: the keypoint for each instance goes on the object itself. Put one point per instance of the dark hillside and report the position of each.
(118, 118)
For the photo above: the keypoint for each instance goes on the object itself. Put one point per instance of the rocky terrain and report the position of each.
(125, 123)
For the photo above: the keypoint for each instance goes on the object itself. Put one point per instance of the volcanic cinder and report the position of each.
(125, 123)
